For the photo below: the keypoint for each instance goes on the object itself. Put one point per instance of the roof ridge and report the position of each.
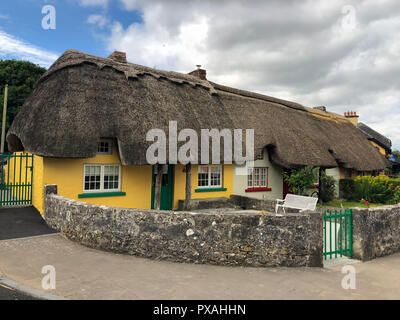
(174, 76)
(250, 94)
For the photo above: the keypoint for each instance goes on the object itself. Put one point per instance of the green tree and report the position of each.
(396, 153)
(20, 77)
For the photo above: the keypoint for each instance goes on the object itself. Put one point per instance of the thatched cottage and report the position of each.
(87, 118)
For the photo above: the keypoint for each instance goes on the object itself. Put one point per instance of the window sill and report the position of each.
(101, 194)
(210, 189)
(257, 189)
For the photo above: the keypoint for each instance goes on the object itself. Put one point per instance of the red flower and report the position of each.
(397, 188)
(367, 203)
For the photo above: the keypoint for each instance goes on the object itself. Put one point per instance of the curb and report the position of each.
(29, 290)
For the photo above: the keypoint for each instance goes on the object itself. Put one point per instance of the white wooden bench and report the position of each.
(296, 202)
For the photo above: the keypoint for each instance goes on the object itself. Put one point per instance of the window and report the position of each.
(101, 178)
(257, 177)
(210, 177)
(260, 156)
(104, 147)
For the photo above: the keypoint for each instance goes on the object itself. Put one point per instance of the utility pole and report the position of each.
(3, 125)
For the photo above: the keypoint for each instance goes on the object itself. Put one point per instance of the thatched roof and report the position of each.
(82, 98)
(375, 136)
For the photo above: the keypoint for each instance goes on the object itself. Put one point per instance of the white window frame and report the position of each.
(252, 178)
(209, 186)
(109, 141)
(102, 190)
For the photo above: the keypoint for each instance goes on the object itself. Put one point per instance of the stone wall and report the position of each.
(251, 203)
(207, 203)
(376, 232)
(235, 238)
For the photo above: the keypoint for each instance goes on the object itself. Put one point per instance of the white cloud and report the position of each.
(13, 48)
(89, 3)
(306, 51)
(98, 20)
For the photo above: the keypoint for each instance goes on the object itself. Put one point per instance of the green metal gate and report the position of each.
(338, 235)
(16, 179)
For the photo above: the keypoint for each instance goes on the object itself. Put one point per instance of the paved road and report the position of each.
(84, 273)
(22, 222)
(7, 293)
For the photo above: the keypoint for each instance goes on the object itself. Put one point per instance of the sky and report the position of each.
(344, 55)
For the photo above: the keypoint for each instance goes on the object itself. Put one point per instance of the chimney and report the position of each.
(351, 116)
(199, 73)
(118, 56)
(322, 108)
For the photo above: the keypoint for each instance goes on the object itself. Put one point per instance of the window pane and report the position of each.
(111, 177)
(203, 169)
(215, 169)
(203, 179)
(203, 176)
(256, 177)
(263, 177)
(250, 177)
(215, 179)
(215, 175)
(104, 147)
(92, 177)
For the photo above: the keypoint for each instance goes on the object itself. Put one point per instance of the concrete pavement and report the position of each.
(84, 273)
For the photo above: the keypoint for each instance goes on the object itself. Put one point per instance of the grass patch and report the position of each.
(348, 204)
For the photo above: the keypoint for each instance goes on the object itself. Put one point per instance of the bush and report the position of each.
(373, 189)
(327, 189)
(396, 196)
(394, 182)
(300, 180)
(346, 189)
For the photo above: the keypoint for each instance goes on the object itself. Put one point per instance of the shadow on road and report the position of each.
(22, 222)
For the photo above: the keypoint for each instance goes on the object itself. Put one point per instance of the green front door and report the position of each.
(167, 188)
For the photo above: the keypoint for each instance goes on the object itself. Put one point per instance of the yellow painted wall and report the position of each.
(68, 175)
(38, 185)
(180, 183)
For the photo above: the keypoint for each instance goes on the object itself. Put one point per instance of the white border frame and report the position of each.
(110, 142)
(252, 179)
(209, 176)
(102, 190)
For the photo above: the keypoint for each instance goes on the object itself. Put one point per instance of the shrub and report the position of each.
(300, 180)
(327, 188)
(396, 196)
(395, 182)
(373, 189)
(346, 189)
